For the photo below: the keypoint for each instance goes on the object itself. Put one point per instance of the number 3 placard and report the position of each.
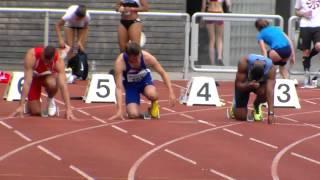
(101, 88)
(285, 94)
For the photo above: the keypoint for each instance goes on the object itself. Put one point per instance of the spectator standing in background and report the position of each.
(75, 22)
(130, 26)
(215, 28)
(281, 48)
(309, 11)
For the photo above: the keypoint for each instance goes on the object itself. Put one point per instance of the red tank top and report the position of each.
(40, 68)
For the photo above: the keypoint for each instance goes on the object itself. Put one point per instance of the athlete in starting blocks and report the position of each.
(132, 75)
(43, 67)
(256, 74)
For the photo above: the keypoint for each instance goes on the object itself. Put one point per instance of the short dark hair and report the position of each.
(261, 23)
(257, 71)
(81, 11)
(133, 48)
(49, 52)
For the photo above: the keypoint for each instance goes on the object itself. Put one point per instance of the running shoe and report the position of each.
(257, 113)
(52, 107)
(230, 113)
(154, 110)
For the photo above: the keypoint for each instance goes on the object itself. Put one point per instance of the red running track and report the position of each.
(189, 143)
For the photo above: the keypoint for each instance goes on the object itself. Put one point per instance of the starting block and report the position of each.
(14, 87)
(202, 91)
(285, 94)
(101, 88)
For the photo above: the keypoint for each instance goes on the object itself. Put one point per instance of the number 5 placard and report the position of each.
(285, 94)
(101, 88)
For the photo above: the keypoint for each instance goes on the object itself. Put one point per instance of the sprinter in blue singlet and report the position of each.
(256, 74)
(132, 75)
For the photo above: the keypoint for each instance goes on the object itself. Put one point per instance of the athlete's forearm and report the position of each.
(270, 95)
(119, 99)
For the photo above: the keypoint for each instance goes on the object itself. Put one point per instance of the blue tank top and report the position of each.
(273, 37)
(132, 75)
(256, 57)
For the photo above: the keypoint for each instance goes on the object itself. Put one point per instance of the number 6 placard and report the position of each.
(285, 94)
(101, 88)
(14, 88)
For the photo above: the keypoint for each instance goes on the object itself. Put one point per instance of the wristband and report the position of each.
(271, 113)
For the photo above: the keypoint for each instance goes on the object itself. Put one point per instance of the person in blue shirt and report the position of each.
(281, 48)
(256, 73)
(132, 75)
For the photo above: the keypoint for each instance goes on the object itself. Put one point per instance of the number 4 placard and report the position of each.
(285, 94)
(101, 88)
(202, 90)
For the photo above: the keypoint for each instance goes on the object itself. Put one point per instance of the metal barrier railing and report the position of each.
(221, 17)
(47, 24)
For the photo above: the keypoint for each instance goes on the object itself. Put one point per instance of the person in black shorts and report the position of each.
(309, 11)
(256, 74)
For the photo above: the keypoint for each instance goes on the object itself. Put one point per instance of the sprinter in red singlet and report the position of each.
(43, 67)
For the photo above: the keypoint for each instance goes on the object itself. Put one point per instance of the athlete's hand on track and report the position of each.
(172, 100)
(69, 115)
(18, 112)
(119, 115)
(270, 119)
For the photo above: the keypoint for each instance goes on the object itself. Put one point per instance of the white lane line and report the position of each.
(207, 123)
(289, 119)
(310, 102)
(187, 116)
(276, 159)
(232, 132)
(264, 143)
(139, 161)
(305, 158)
(143, 140)
(57, 136)
(6, 125)
(83, 112)
(49, 153)
(221, 174)
(98, 119)
(180, 156)
(178, 86)
(167, 109)
(85, 175)
(182, 122)
(22, 135)
(312, 125)
(119, 129)
(301, 113)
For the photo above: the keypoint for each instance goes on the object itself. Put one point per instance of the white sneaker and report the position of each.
(52, 107)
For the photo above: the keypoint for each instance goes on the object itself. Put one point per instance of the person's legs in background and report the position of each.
(219, 40)
(211, 44)
(69, 34)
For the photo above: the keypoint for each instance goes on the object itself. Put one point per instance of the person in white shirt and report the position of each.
(75, 22)
(309, 11)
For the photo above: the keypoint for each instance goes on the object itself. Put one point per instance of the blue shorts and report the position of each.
(133, 90)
